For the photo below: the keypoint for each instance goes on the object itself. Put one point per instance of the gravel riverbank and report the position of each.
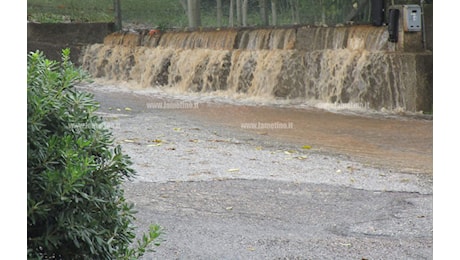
(225, 193)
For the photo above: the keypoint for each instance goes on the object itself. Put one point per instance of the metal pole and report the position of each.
(423, 24)
(117, 8)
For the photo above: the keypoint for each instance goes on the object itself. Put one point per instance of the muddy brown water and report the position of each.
(400, 143)
(349, 65)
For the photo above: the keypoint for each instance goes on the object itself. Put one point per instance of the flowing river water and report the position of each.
(399, 141)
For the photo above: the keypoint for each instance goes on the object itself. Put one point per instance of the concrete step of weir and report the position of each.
(304, 38)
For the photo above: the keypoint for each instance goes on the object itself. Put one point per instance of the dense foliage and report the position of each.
(75, 204)
(174, 13)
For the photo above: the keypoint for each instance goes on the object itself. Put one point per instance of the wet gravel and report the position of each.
(224, 193)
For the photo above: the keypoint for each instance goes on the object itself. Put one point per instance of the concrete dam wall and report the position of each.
(340, 65)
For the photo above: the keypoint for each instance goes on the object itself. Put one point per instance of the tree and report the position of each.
(75, 203)
(117, 9)
(239, 18)
(274, 15)
(194, 14)
(219, 13)
(295, 11)
(183, 3)
(245, 12)
(356, 10)
(230, 15)
(263, 11)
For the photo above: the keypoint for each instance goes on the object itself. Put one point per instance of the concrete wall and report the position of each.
(408, 58)
(52, 38)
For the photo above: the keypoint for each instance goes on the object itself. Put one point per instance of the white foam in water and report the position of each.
(346, 69)
(231, 98)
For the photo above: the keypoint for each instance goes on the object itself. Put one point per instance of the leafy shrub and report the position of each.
(75, 204)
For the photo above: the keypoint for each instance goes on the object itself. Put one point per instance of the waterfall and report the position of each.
(354, 64)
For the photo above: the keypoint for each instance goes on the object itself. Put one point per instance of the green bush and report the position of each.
(75, 203)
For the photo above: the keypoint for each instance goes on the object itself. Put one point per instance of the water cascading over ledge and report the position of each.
(352, 64)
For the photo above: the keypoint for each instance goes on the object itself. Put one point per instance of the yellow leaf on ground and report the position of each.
(306, 147)
(234, 170)
(157, 144)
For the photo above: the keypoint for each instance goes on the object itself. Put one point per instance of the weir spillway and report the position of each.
(339, 65)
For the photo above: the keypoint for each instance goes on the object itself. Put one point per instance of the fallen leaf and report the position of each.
(233, 170)
(351, 168)
(306, 147)
(193, 140)
(218, 141)
(128, 141)
(229, 208)
(118, 109)
(177, 129)
(303, 157)
(127, 108)
(157, 144)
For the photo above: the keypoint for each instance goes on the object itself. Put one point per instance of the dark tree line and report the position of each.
(292, 11)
